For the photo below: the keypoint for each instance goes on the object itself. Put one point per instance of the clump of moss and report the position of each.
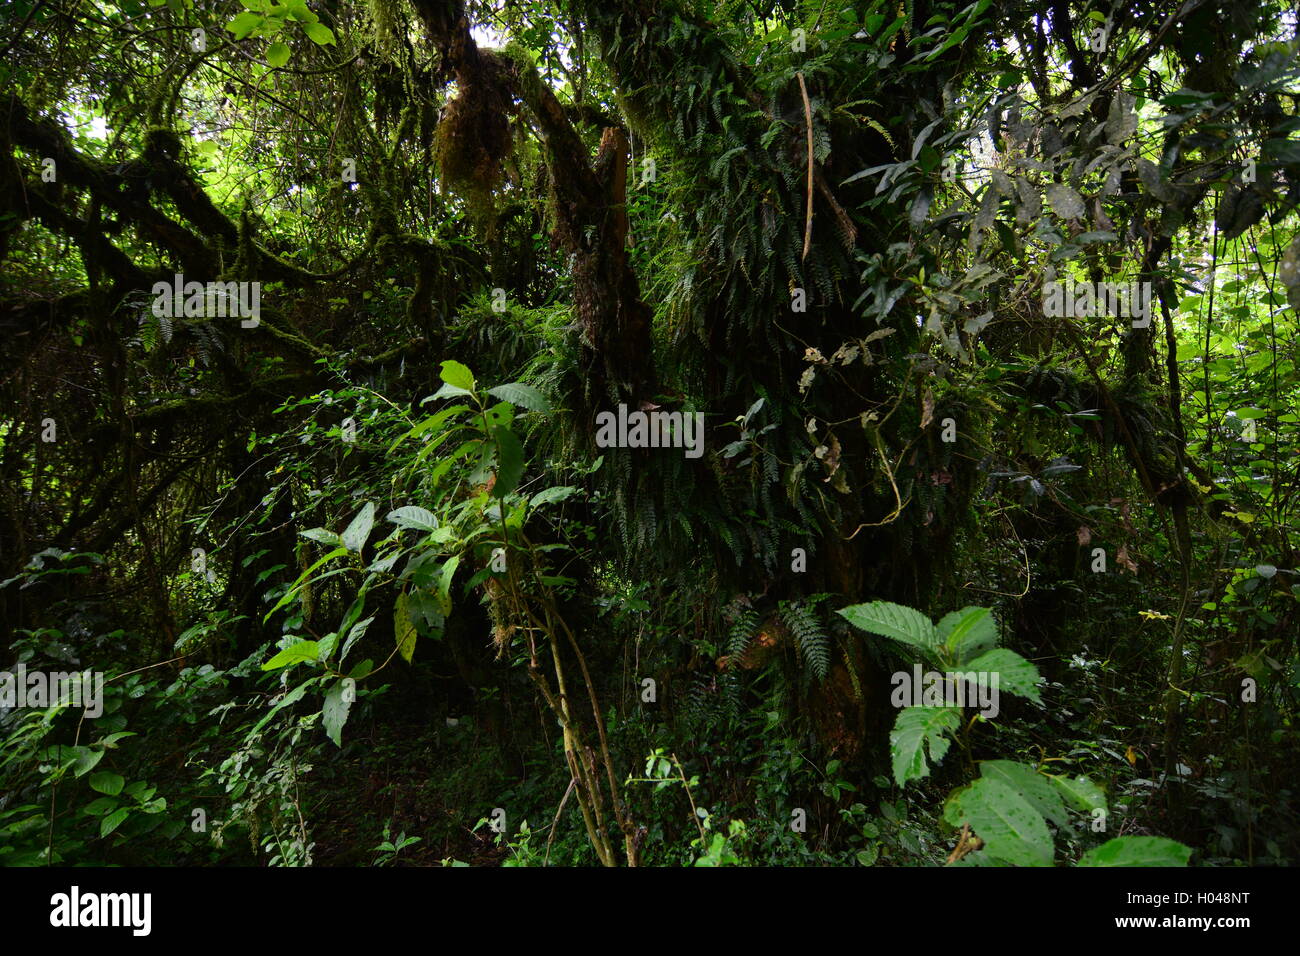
(473, 137)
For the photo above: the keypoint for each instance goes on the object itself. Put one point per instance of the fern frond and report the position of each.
(742, 631)
(814, 645)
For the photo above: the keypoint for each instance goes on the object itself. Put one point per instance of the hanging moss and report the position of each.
(473, 137)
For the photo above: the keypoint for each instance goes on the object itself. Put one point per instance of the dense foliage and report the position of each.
(367, 578)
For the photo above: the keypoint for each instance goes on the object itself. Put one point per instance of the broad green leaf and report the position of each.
(357, 632)
(328, 645)
(968, 632)
(413, 516)
(334, 713)
(107, 782)
(525, 396)
(323, 535)
(1065, 202)
(447, 389)
(404, 627)
(1137, 851)
(383, 564)
(1121, 121)
(277, 54)
(113, 821)
(952, 814)
(510, 462)
(913, 730)
(893, 621)
(1080, 793)
(444, 583)
(293, 654)
(499, 415)
(1015, 674)
(319, 33)
(86, 760)
(354, 538)
(457, 375)
(548, 495)
(298, 11)
(1012, 830)
(100, 806)
(1030, 784)
(426, 609)
(244, 24)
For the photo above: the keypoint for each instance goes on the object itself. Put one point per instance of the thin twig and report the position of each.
(556, 822)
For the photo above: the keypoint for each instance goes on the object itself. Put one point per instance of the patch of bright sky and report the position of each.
(80, 118)
(485, 35)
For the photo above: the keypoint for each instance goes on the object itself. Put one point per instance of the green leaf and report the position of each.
(952, 814)
(320, 34)
(1137, 851)
(525, 396)
(1065, 202)
(357, 632)
(292, 592)
(548, 495)
(893, 621)
(293, 654)
(1030, 784)
(413, 516)
(434, 421)
(913, 730)
(510, 462)
(86, 760)
(298, 11)
(967, 632)
(444, 583)
(277, 54)
(1015, 674)
(1012, 830)
(334, 714)
(426, 609)
(457, 375)
(404, 627)
(450, 389)
(324, 536)
(1080, 793)
(100, 806)
(107, 782)
(444, 465)
(354, 538)
(245, 24)
(328, 645)
(113, 821)
(288, 700)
